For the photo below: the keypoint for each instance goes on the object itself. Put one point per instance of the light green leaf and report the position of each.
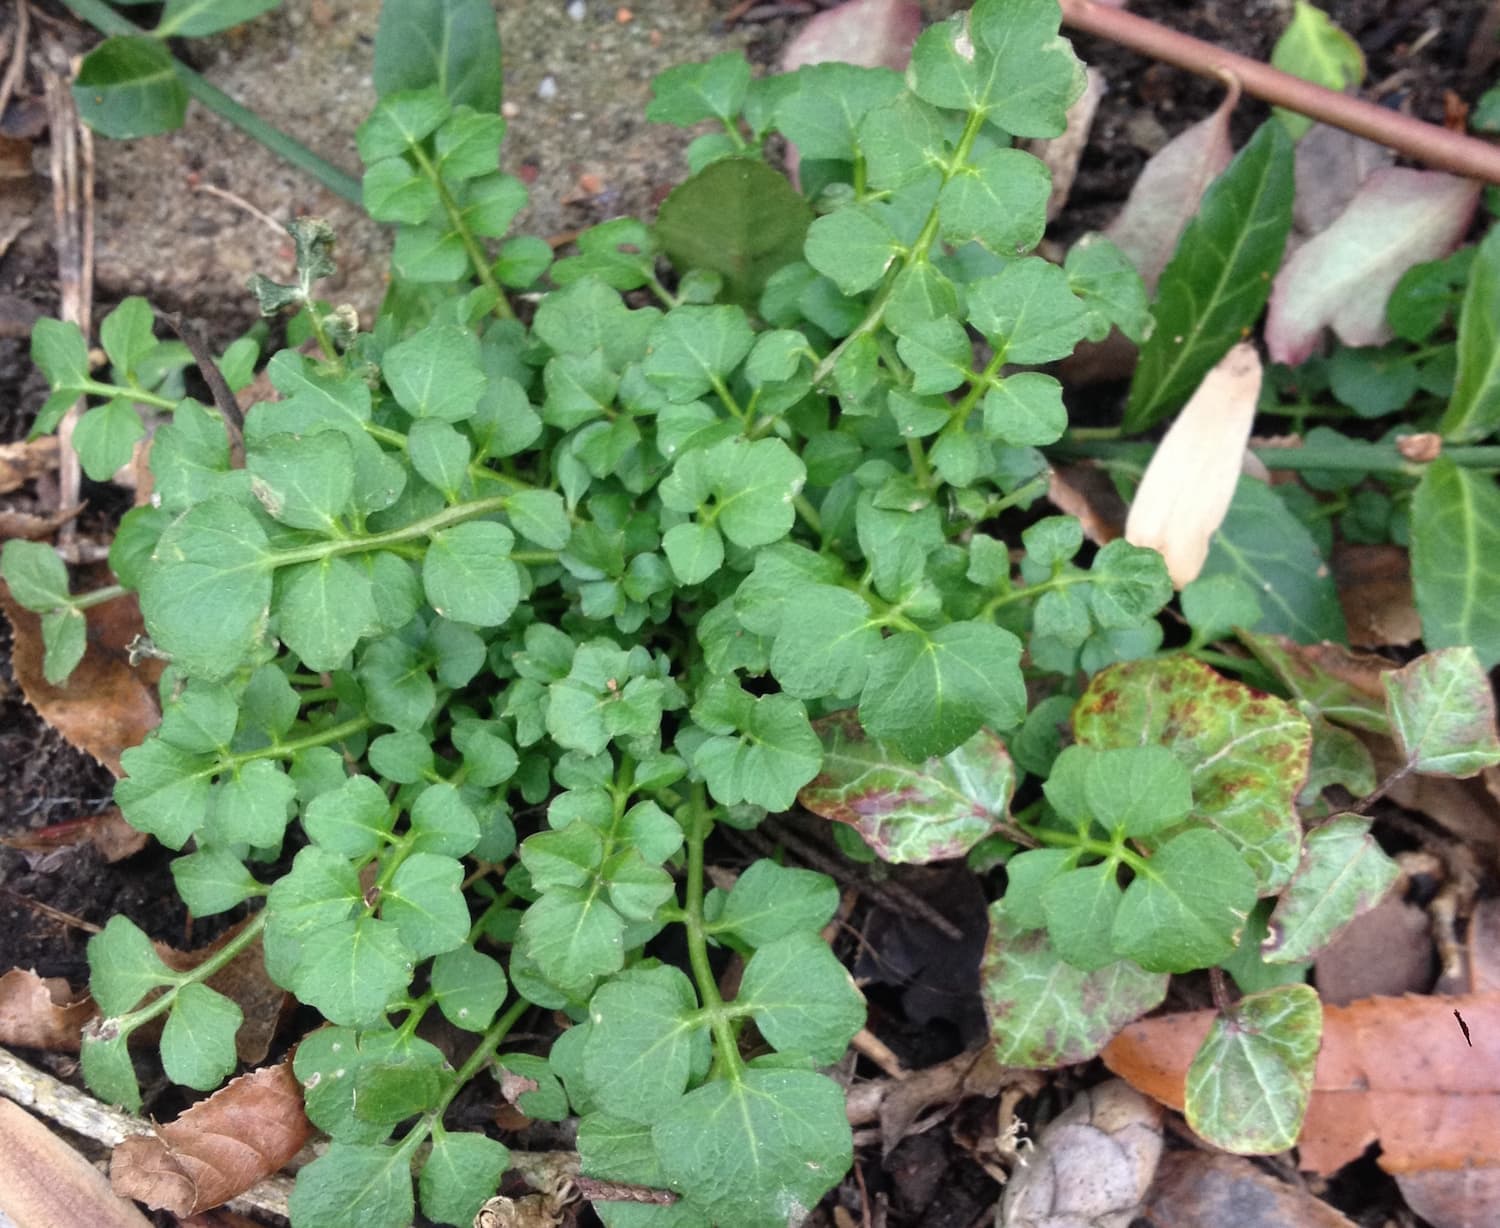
(574, 937)
(825, 649)
(639, 1051)
(1025, 410)
(451, 44)
(1028, 311)
(1443, 713)
(772, 753)
(165, 792)
(852, 247)
(824, 104)
(693, 349)
(197, 1043)
(398, 689)
(1045, 1013)
(469, 987)
(425, 903)
(687, 93)
(468, 576)
(1185, 909)
(695, 551)
(127, 334)
(108, 1070)
(251, 805)
(212, 881)
(37, 578)
(353, 970)
(195, 18)
(910, 811)
(801, 997)
(769, 901)
(758, 1151)
(436, 373)
(1000, 200)
(1314, 48)
(442, 822)
(1111, 289)
(1248, 1086)
(392, 191)
(1080, 907)
(325, 608)
(1219, 277)
(928, 693)
(106, 436)
(353, 819)
(1137, 790)
(355, 1186)
(461, 1173)
(124, 967)
(1455, 533)
(1474, 411)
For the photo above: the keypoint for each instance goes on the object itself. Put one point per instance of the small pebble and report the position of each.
(578, 10)
(547, 90)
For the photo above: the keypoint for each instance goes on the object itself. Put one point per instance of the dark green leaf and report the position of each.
(1455, 535)
(355, 1186)
(129, 87)
(462, 1171)
(468, 576)
(1218, 279)
(124, 967)
(195, 18)
(1474, 411)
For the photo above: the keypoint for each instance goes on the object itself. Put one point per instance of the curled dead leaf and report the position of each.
(1092, 1164)
(21, 462)
(1375, 591)
(1190, 481)
(42, 1012)
(108, 832)
(106, 706)
(1196, 1188)
(219, 1148)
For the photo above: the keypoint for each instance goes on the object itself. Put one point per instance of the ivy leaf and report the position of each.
(461, 1173)
(1262, 543)
(1246, 751)
(124, 967)
(643, 1030)
(801, 997)
(907, 811)
(197, 1042)
(468, 575)
(1343, 873)
(762, 750)
(1443, 713)
(928, 693)
(1455, 515)
(769, 901)
(1218, 279)
(1249, 1084)
(787, 1130)
(1045, 1013)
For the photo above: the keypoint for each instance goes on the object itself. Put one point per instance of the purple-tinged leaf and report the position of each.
(1343, 873)
(1247, 751)
(1044, 1012)
(1329, 167)
(1342, 278)
(1443, 711)
(870, 33)
(1168, 190)
(1341, 685)
(905, 811)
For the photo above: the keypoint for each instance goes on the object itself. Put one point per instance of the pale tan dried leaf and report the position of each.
(1092, 1164)
(1168, 190)
(1424, 448)
(1190, 481)
(219, 1148)
(106, 706)
(1195, 1189)
(44, 1183)
(29, 527)
(42, 1012)
(1386, 951)
(871, 33)
(21, 462)
(107, 831)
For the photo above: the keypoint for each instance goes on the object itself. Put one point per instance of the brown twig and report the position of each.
(228, 407)
(1423, 142)
(17, 56)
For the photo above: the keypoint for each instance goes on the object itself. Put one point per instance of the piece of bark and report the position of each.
(44, 1183)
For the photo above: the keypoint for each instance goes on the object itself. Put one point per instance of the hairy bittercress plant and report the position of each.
(500, 617)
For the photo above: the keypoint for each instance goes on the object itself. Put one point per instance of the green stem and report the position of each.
(289, 750)
(425, 527)
(483, 1051)
(809, 513)
(476, 253)
(138, 395)
(107, 21)
(131, 1020)
(99, 596)
(728, 1054)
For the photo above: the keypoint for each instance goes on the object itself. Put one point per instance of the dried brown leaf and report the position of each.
(871, 33)
(106, 706)
(1092, 1164)
(42, 1012)
(20, 462)
(44, 1183)
(219, 1148)
(1453, 1199)
(1168, 190)
(1386, 951)
(1195, 1188)
(107, 831)
(1374, 588)
(1086, 491)
(28, 527)
(1391, 1070)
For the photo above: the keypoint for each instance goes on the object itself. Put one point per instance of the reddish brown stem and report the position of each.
(1424, 142)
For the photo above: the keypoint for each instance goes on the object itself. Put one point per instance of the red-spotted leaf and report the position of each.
(1247, 751)
(1044, 1012)
(910, 812)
